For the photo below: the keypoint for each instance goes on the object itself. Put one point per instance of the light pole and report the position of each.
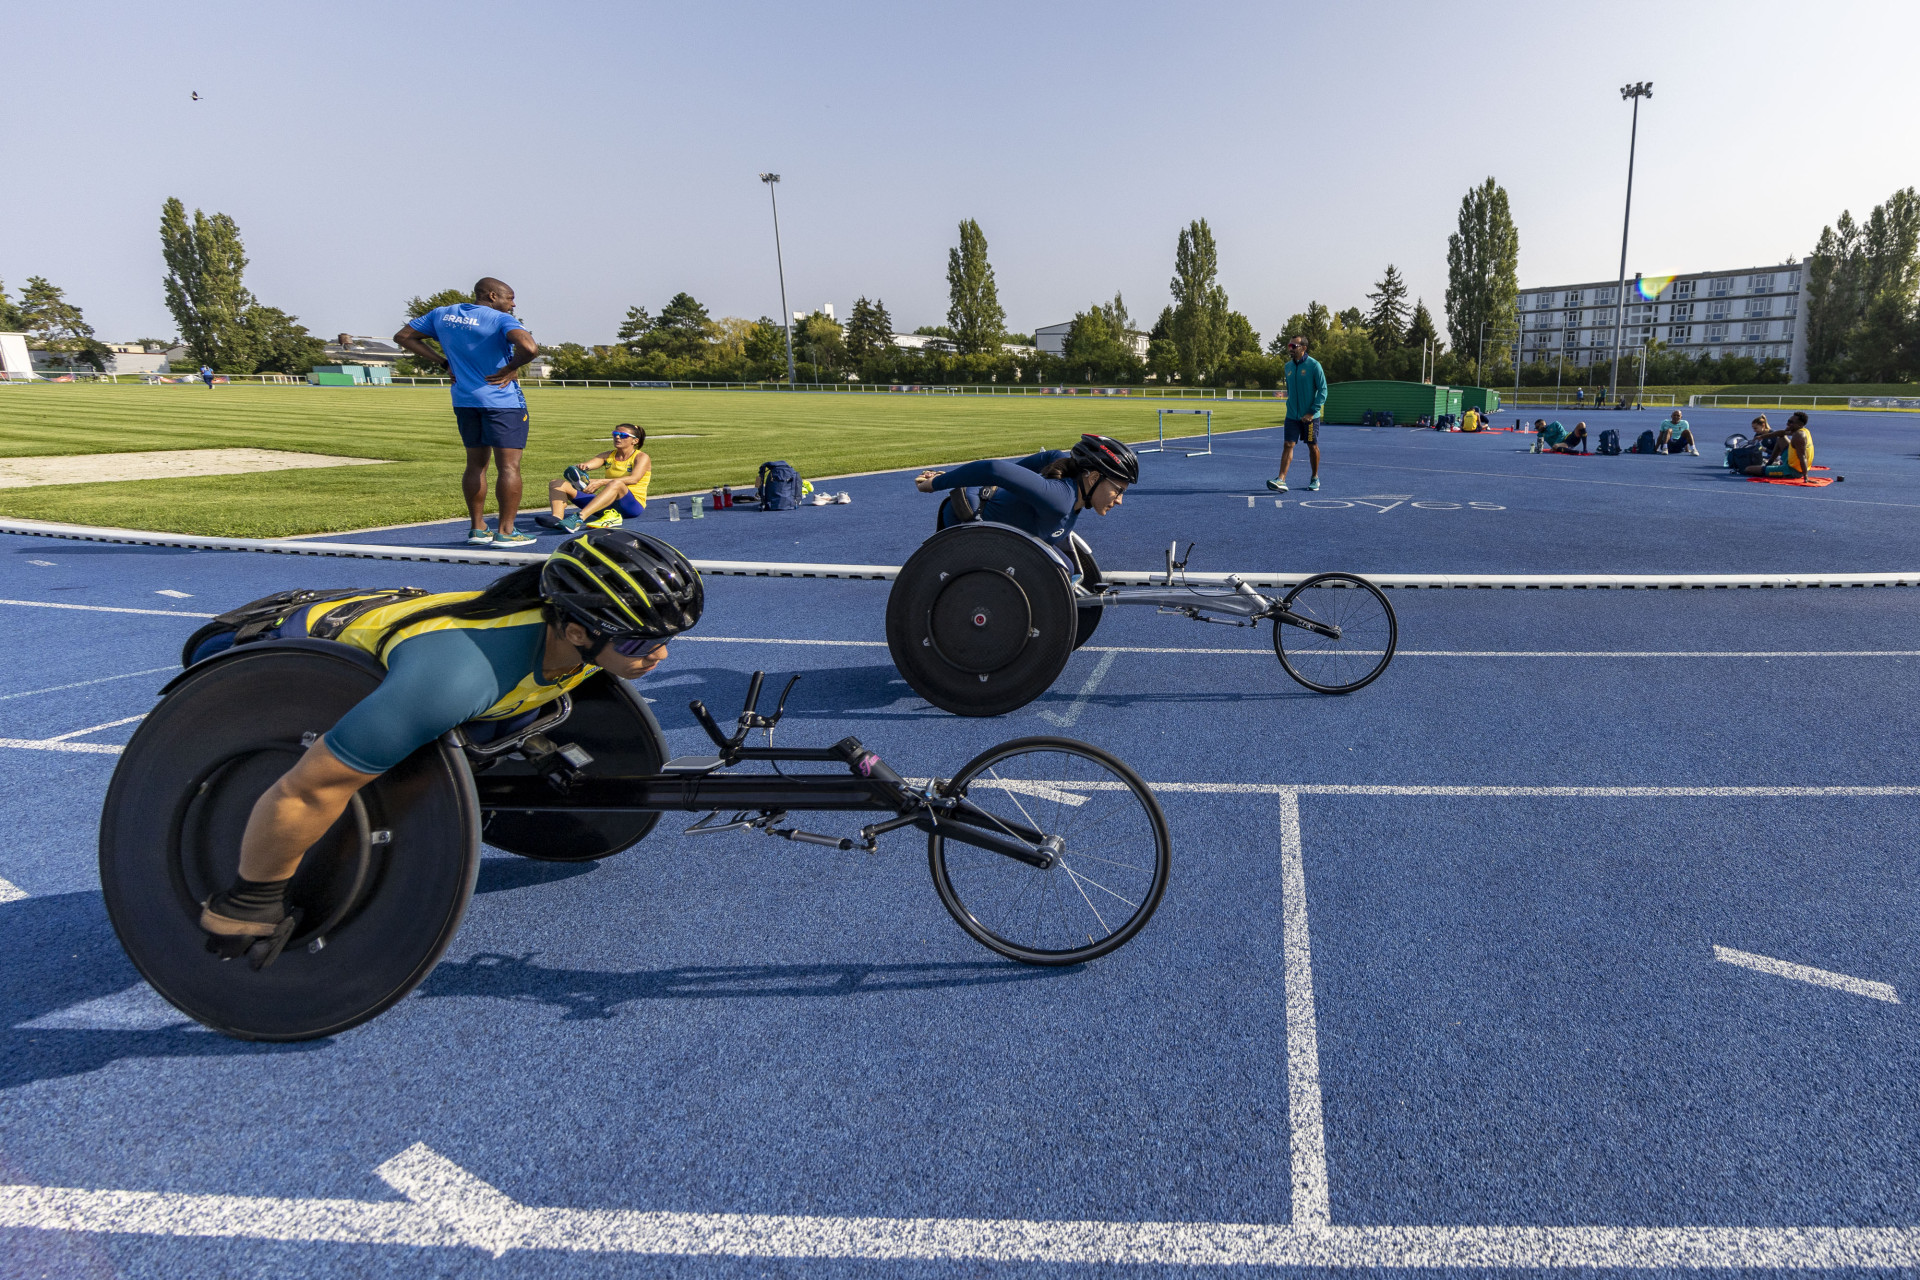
(1644, 89)
(786, 316)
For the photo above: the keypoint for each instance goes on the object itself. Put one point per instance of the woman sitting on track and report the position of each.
(1789, 450)
(604, 600)
(1042, 494)
(603, 503)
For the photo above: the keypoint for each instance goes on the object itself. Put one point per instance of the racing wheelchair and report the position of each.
(983, 617)
(1045, 850)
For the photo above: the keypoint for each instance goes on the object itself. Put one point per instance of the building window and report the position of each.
(1760, 284)
(1680, 333)
(1793, 304)
(1786, 330)
(1717, 309)
(1716, 333)
(1756, 332)
(1574, 298)
(1793, 282)
(1640, 313)
(1680, 311)
(1603, 295)
(1721, 286)
(1683, 288)
(1542, 301)
(1759, 306)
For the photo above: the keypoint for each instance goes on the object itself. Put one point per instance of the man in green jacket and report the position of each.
(1306, 396)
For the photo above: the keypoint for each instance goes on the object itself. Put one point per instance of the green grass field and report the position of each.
(730, 435)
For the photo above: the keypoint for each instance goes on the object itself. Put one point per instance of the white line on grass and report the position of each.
(1807, 973)
(446, 1207)
(81, 684)
(11, 892)
(1306, 1136)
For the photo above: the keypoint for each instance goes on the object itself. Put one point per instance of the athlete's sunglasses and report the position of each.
(623, 435)
(638, 646)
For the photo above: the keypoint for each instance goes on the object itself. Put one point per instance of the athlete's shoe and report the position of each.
(1278, 486)
(481, 537)
(607, 519)
(843, 497)
(818, 500)
(512, 538)
(1695, 452)
(572, 523)
(1314, 483)
(546, 520)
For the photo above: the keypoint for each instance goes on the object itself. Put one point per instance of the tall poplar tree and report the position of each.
(1483, 267)
(1199, 303)
(973, 302)
(1387, 322)
(204, 290)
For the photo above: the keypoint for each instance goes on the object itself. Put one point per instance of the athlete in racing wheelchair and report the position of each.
(1042, 494)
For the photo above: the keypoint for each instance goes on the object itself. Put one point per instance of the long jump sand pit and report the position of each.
(106, 468)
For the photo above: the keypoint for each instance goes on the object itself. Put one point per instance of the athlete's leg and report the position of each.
(559, 493)
(603, 498)
(1313, 456)
(507, 486)
(1286, 458)
(473, 484)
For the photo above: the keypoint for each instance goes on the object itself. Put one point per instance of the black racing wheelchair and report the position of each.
(983, 617)
(1045, 850)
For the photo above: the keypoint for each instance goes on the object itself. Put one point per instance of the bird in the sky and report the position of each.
(196, 95)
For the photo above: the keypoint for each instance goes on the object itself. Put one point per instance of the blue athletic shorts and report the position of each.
(1303, 430)
(491, 428)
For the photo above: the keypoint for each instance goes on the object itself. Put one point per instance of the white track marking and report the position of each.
(449, 1208)
(138, 1008)
(11, 892)
(841, 644)
(101, 608)
(81, 684)
(177, 595)
(1547, 653)
(1306, 1136)
(49, 744)
(1039, 790)
(1807, 973)
(1066, 719)
(95, 728)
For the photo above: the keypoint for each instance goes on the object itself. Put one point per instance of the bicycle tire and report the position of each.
(1374, 633)
(994, 898)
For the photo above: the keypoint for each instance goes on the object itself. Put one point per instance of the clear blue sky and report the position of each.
(599, 155)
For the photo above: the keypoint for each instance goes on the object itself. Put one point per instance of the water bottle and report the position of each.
(697, 513)
(673, 511)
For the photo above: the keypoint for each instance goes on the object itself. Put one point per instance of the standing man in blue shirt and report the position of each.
(485, 347)
(1306, 396)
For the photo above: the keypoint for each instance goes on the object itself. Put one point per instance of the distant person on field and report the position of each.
(485, 347)
(1795, 459)
(1551, 437)
(206, 376)
(604, 503)
(1306, 397)
(1676, 436)
(1579, 395)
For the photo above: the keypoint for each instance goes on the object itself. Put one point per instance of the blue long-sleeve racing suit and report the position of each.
(1023, 497)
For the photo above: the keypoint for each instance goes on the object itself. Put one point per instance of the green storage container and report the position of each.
(1455, 401)
(1406, 401)
(1485, 399)
(328, 378)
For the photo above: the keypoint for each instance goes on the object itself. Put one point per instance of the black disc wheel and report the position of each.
(981, 619)
(380, 895)
(1104, 828)
(1350, 639)
(613, 723)
(1091, 580)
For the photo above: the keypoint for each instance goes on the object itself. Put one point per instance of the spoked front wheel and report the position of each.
(1365, 633)
(1109, 845)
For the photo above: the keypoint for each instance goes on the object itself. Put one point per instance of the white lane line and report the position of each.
(1807, 973)
(11, 892)
(111, 724)
(1039, 790)
(1065, 720)
(449, 1208)
(1306, 1136)
(102, 608)
(1589, 793)
(81, 684)
(1399, 653)
(49, 744)
(138, 1008)
(842, 644)
(177, 595)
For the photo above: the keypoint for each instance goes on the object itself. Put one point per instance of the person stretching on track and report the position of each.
(1794, 444)
(604, 503)
(1551, 437)
(605, 600)
(1042, 494)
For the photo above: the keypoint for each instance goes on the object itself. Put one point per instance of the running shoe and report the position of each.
(572, 523)
(482, 537)
(547, 521)
(607, 519)
(512, 538)
(818, 500)
(1278, 486)
(1314, 484)
(843, 497)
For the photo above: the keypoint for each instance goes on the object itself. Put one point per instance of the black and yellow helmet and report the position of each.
(619, 584)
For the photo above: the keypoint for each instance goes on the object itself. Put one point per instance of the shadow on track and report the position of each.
(586, 993)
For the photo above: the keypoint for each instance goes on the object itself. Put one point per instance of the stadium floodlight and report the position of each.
(1632, 92)
(786, 316)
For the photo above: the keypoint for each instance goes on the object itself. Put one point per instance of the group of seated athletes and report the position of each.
(1789, 449)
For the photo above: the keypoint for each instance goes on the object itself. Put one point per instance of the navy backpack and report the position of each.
(779, 486)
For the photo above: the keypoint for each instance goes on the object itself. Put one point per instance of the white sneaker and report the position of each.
(819, 500)
(843, 497)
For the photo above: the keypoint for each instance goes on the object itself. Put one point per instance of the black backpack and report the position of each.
(1646, 442)
(1609, 442)
(1747, 455)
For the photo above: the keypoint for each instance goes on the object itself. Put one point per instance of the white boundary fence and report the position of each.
(886, 573)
